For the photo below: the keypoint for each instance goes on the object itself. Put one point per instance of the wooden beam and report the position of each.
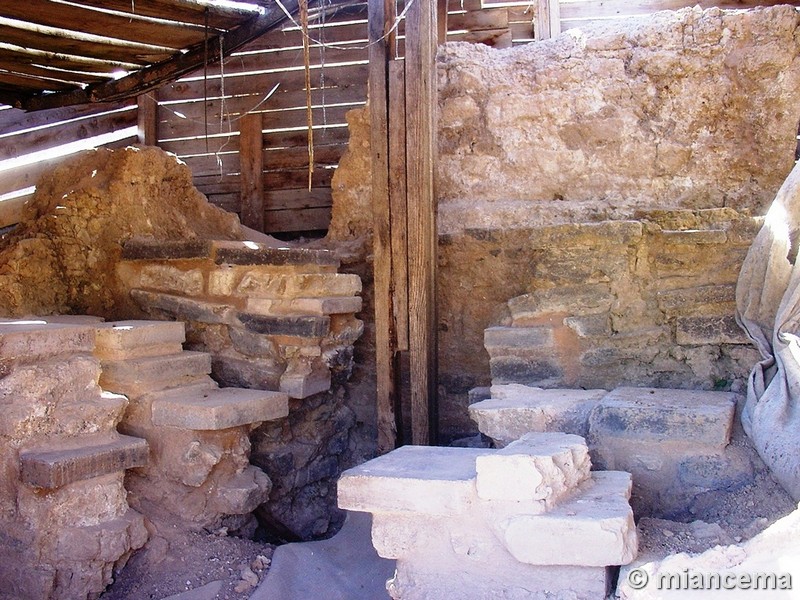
(147, 120)
(166, 71)
(548, 19)
(421, 101)
(397, 201)
(441, 20)
(378, 22)
(252, 167)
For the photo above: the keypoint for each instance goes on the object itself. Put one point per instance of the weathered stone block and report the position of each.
(419, 479)
(305, 306)
(687, 300)
(729, 470)
(501, 341)
(616, 233)
(313, 285)
(216, 409)
(305, 326)
(150, 249)
(167, 278)
(242, 493)
(240, 371)
(183, 309)
(135, 339)
(76, 459)
(539, 467)
(527, 371)
(709, 330)
(570, 300)
(594, 529)
(304, 382)
(514, 410)
(251, 253)
(699, 418)
(252, 344)
(598, 325)
(155, 372)
(30, 340)
(693, 236)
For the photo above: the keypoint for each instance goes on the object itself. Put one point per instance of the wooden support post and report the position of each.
(147, 117)
(397, 201)
(251, 157)
(548, 19)
(421, 102)
(441, 20)
(380, 12)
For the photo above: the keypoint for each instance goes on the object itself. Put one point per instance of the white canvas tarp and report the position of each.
(768, 308)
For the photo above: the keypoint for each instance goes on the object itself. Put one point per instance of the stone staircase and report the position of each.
(271, 318)
(525, 521)
(65, 523)
(198, 432)
(675, 443)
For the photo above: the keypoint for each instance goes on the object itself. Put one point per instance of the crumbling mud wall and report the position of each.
(61, 257)
(597, 195)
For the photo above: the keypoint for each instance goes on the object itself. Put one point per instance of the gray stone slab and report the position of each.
(155, 372)
(251, 253)
(58, 464)
(149, 249)
(216, 409)
(183, 309)
(419, 479)
(303, 326)
(664, 415)
(31, 339)
(691, 331)
(133, 337)
(499, 341)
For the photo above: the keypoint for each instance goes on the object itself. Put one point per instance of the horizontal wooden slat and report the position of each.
(297, 157)
(602, 9)
(218, 15)
(29, 82)
(296, 199)
(333, 75)
(230, 202)
(496, 38)
(64, 45)
(11, 210)
(313, 219)
(496, 18)
(286, 59)
(78, 18)
(296, 178)
(14, 65)
(49, 137)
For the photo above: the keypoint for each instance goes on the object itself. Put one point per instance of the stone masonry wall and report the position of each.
(600, 190)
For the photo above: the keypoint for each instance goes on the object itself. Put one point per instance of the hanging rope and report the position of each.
(307, 67)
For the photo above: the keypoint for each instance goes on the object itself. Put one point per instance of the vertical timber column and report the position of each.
(251, 157)
(548, 19)
(147, 120)
(421, 105)
(379, 12)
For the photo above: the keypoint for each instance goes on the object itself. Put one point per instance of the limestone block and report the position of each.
(699, 418)
(59, 463)
(595, 528)
(304, 306)
(183, 309)
(302, 326)
(303, 379)
(400, 534)
(135, 339)
(236, 370)
(155, 372)
(587, 326)
(106, 541)
(31, 340)
(709, 330)
(571, 300)
(242, 493)
(313, 285)
(688, 300)
(525, 370)
(252, 253)
(539, 466)
(502, 341)
(418, 479)
(693, 236)
(514, 410)
(167, 278)
(216, 409)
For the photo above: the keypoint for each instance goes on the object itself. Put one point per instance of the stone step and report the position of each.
(305, 380)
(595, 528)
(61, 462)
(215, 409)
(137, 339)
(152, 373)
(653, 415)
(539, 467)
(415, 479)
(31, 340)
(514, 410)
(224, 252)
(288, 325)
(335, 305)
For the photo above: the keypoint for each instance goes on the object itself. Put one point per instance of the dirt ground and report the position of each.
(176, 561)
